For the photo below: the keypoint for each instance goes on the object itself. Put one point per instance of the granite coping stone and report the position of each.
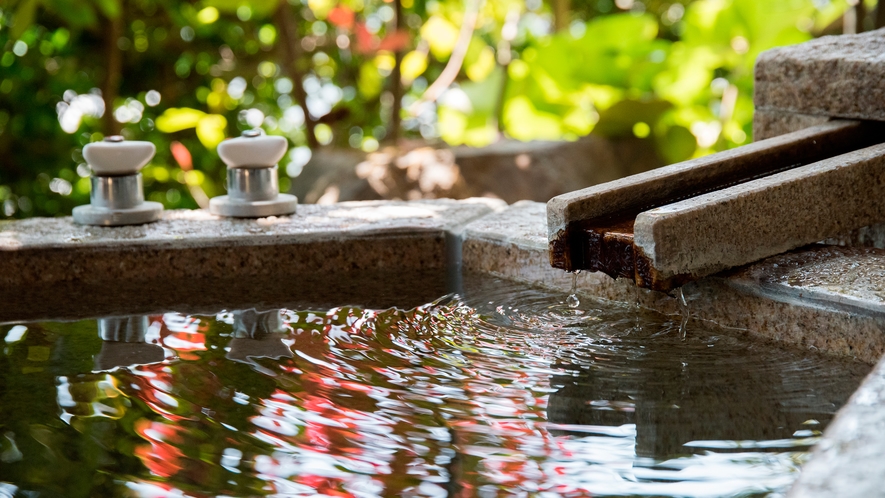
(836, 76)
(199, 228)
(366, 235)
(662, 185)
(836, 278)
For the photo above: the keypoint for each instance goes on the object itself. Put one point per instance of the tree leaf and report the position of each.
(177, 119)
(24, 17)
(110, 8)
(210, 130)
(413, 65)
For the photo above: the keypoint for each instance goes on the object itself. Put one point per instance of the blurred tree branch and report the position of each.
(396, 78)
(880, 14)
(113, 72)
(456, 60)
(284, 18)
(561, 14)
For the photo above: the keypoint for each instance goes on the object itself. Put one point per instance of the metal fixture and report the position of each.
(253, 189)
(117, 196)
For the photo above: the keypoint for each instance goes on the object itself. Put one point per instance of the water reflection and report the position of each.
(125, 343)
(507, 391)
(258, 334)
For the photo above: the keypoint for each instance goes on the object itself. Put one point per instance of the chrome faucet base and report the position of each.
(253, 193)
(147, 212)
(115, 201)
(225, 206)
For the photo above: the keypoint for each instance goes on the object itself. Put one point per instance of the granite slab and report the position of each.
(190, 244)
(768, 123)
(834, 76)
(641, 191)
(745, 223)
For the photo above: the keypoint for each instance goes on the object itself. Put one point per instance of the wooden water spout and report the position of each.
(669, 226)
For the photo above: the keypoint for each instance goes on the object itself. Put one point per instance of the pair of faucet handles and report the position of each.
(118, 157)
(252, 180)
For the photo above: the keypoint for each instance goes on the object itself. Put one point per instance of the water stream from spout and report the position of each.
(683, 310)
(572, 300)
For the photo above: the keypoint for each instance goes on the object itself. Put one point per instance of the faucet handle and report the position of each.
(253, 150)
(117, 157)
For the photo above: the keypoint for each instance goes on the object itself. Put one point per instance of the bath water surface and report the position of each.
(501, 391)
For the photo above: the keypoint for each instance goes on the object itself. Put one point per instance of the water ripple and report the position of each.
(507, 391)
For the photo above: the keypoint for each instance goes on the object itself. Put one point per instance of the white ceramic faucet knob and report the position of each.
(253, 150)
(117, 157)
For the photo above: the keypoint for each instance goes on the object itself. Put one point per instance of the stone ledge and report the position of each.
(773, 123)
(836, 76)
(190, 244)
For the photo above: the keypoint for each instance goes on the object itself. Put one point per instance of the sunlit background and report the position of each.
(373, 80)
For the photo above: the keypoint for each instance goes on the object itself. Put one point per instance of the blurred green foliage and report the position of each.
(185, 75)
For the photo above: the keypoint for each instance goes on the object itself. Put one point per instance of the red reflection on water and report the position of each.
(184, 334)
(338, 422)
(161, 456)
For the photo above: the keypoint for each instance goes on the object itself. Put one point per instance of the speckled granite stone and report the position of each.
(840, 278)
(768, 123)
(787, 299)
(776, 315)
(513, 244)
(207, 295)
(869, 236)
(836, 76)
(745, 223)
(636, 193)
(191, 244)
(848, 461)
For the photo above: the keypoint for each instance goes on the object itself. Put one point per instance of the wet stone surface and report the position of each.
(848, 278)
(848, 461)
(825, 298)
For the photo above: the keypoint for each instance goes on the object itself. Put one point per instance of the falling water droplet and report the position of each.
(572, 300)
(683, 310)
